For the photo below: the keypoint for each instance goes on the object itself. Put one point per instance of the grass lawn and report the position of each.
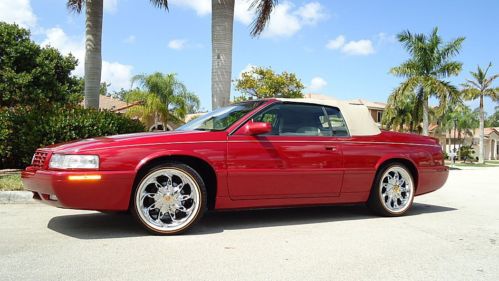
(10, 181)
(491, 163)
(472, 165)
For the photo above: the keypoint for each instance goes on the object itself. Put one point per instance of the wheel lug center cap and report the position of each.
(168, 199)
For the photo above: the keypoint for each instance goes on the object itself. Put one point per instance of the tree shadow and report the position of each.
(106, 226)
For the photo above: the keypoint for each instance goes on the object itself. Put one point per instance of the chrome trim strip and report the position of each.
(341, 141)
(276, 141)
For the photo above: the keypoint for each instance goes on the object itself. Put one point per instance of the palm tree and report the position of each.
(467, 122)
(222, 30)
(430, 62)
(162, 98)
(221, 36)
(93, 37)
(399, 112)
(481, 87)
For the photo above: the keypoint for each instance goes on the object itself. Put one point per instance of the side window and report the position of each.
(295, 120)
(338, 124)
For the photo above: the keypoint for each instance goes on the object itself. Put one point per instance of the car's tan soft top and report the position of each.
(357, 117)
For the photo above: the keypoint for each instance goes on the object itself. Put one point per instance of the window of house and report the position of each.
(379, 116)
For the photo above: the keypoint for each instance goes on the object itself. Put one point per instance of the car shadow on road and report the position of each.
(105, 226)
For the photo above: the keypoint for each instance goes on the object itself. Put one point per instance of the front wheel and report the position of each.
(393, 191)
(169, 199)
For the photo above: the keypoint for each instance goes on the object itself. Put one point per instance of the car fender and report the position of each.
(390, 156)
(167, 153)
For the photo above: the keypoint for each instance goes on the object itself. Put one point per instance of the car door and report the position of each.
(298, 158)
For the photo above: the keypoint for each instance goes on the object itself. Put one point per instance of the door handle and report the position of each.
(331, 148)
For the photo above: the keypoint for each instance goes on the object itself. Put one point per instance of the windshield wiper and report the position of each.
(203, 129)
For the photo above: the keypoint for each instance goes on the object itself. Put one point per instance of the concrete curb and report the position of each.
(16, 197)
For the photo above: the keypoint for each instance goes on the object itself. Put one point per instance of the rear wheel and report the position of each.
(393, 191)
(169, 199)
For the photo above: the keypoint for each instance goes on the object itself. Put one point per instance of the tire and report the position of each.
(169, 199)
(393, 191)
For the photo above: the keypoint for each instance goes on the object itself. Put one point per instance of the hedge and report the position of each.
(24, 129)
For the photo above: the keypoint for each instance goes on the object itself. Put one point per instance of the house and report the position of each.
(111, 104)
(375, 108)
(490, 142)
(119, 106)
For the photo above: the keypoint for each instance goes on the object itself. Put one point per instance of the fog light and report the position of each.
(52, 197)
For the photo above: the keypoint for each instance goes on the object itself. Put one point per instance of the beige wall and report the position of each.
(491, 146)
(374, 114)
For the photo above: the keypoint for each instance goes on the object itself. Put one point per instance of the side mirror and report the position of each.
(256, 128)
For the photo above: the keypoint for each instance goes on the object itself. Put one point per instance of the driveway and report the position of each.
(451, 234)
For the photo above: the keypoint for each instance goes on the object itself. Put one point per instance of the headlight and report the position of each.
(62, 161)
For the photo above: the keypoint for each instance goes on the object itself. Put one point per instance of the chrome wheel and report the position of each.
(168, 200)
(396, 189)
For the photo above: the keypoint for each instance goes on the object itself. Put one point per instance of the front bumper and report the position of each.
(111, 192)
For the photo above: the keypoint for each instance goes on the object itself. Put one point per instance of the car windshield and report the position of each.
(222, 118)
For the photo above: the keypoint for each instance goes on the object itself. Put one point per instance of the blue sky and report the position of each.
(343, 49)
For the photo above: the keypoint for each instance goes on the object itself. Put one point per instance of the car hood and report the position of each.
(132, 139)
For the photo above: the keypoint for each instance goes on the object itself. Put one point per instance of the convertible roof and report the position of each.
(357, 117)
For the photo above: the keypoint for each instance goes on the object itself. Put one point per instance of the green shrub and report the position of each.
(466, 152)
(24, 129)
(32, 75)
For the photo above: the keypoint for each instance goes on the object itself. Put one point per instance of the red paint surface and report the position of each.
(251, 171)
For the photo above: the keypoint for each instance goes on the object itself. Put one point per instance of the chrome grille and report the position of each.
(39, 159)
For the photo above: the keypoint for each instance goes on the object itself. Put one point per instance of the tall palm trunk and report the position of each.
(221, 36)
(425, 116)
(481, 151)
(93, 57)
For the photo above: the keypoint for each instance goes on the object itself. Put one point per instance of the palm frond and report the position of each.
(471, 84)
(162, 4)
(263, 9)
(75, 5)
(490, 80)
(406, 69)
(452, 48)
(448, 69)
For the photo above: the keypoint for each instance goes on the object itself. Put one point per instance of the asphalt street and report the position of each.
(451, 234)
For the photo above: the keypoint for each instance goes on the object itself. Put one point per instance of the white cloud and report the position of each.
(361, 47)
(336, 43)
(202, 7)
(18, 11)
(110, 6)
(57, 38)
(283, 23)
(242, 12)
(383, 38)
(311, 13)
(317, 83)
(285, 20)
(117, 74)
(177, 44)
(247, 68)
(130, 39)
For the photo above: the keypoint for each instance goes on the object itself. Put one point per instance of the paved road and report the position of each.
(452, 234)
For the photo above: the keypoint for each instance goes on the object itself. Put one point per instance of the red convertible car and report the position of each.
(263, 153)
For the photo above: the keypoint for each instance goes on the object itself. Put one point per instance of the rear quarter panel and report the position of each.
(363, 155)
